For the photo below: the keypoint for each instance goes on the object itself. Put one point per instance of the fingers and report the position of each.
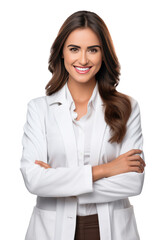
(137, 158)
(132, 152)
(137, 169)
(137, 164)
(42, 164)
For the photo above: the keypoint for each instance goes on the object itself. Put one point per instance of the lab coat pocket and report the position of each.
(42, 225)
(124, 224)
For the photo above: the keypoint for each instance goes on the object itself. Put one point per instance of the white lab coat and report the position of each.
(49, 137)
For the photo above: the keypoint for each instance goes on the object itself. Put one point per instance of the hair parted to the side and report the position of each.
(117, 105)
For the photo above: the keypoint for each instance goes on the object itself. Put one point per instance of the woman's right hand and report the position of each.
(127, 162)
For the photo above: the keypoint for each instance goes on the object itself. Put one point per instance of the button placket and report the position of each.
(80, 144)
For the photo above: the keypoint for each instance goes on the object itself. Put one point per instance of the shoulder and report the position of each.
(135, 112)
(38, 100)
(128, 99)
(135, 108)
(38, 104)
(134, 103)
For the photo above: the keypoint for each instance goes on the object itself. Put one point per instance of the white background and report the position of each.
(28, 28)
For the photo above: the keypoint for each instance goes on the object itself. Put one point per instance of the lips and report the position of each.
(82, 70)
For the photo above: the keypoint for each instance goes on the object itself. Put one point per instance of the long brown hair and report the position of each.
(117, 105)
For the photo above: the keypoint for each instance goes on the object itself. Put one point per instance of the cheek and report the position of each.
(97, 61)
(68, 58)
(68, 63)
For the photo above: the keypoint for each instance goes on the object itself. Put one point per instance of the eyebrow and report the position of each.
(72, 45)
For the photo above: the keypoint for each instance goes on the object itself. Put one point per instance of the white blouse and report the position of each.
(83, 130)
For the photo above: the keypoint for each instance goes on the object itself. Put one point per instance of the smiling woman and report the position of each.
(82, 143)
(82, 56)
(78, 34)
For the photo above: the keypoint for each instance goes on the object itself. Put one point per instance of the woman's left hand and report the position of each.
(42, 164)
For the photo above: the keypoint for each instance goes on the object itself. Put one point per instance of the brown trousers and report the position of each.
(87, 228)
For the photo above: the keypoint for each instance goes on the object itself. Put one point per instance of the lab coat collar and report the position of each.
(57, 97)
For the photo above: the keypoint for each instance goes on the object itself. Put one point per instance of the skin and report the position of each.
(82, 49)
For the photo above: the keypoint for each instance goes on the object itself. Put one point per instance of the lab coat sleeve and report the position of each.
(122, 185)
(52, 182)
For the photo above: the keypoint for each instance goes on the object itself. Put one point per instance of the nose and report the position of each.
(83, 59)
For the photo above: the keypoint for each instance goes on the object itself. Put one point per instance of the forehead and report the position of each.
(83, 36)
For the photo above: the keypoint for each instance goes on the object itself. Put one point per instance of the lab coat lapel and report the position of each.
(64, 122)
(99, 126)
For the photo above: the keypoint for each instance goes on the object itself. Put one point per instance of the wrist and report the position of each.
(98, 172)
(107, 171)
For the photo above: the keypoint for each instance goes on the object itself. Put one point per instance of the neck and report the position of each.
(81, 92)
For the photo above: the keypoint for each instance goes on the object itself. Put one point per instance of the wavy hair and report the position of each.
(117, 105)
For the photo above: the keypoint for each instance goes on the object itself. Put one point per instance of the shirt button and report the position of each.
(80, 154)
(70, 217)
(75, 115)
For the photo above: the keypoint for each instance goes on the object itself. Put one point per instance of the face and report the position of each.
(82, 55)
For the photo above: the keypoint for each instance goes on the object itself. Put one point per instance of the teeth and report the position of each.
(81, 69)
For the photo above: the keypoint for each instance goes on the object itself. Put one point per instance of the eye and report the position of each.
(93, 50)
(73, 49)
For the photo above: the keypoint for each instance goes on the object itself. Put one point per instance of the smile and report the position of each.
(82, 70)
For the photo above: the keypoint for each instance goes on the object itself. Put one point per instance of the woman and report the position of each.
(82, 143)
